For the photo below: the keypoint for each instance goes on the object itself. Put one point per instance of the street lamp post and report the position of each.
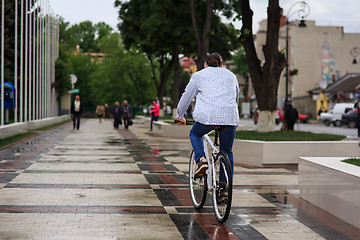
(303, 11)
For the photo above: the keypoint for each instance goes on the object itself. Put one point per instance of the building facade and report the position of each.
(318, 57)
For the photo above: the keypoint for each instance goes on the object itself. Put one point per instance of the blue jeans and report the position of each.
(226, 138)
(153, 118)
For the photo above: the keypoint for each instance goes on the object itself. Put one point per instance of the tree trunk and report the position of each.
(265, 78)
(165, 69)
(266, 121)
(176, 75)
(164, 73)
(203, 41)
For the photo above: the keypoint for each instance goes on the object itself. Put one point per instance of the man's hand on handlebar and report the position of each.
(180, 121)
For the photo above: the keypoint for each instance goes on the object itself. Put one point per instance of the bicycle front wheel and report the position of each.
(222, 192)
(198, 185)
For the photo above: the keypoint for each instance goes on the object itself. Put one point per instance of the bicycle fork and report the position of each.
(211, 170)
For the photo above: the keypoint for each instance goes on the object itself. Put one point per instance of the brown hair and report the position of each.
(214, 60)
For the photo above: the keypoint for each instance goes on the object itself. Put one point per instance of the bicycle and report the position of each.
(200, 185)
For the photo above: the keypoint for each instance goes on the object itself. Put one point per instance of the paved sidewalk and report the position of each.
(101, 183)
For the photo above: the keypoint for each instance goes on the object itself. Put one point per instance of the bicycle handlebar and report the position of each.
(188, 122)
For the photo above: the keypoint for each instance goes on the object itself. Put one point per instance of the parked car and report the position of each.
(338, 111)
(326, 118)
(302, 117)
(350, 119)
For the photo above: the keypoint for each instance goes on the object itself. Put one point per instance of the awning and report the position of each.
(345, 84)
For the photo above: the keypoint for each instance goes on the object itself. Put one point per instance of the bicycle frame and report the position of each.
(211, 170)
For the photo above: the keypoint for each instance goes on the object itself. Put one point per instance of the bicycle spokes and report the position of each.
(222, 192)
(198, 186)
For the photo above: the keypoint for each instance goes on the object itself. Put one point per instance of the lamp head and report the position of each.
(302, 23)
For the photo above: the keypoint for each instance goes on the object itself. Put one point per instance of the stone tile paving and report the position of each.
(101, 183)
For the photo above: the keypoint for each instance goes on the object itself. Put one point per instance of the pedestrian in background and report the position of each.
(107, 111)
(357, 107)
(155, 112)
(126, 113)
(100, 110)
(291, 116)
(76, 110)
(116, 112)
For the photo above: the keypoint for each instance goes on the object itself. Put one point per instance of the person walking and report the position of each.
(357, 107)
(76, 110)
(155, 112)
(100, 110)
(126, 113)
(116, 112)
(217, 96)
(107, 111)
(291, 116)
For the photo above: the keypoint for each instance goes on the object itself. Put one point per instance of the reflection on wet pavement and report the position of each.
(100, 183)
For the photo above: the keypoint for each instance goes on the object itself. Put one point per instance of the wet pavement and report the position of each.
(101, 183)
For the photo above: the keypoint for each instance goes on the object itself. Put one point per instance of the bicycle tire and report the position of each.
(222, 204)
(197, 185)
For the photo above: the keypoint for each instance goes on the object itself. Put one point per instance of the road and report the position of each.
(351, 133)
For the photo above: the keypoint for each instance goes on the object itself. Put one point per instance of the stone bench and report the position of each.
(331, 185)
(261, 153)
(16, 128)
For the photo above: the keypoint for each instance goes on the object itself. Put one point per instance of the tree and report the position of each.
(85, 34)
(163, 28)
(203, 40)
(121, 75)
(207, 26)
(157, 28)
(241, 67)
(265, 78)
(83, 67)
(62, 80)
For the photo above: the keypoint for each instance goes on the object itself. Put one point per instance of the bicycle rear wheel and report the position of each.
(197, 184)
(222, 192)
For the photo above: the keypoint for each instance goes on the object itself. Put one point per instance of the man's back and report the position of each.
(217, 96)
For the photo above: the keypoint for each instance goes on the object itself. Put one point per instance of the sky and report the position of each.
(325, 12)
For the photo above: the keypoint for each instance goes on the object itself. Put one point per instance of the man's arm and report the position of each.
(185, 100)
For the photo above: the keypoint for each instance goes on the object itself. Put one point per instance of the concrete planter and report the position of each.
(142, 119)
(331, 185)
(171, 130)
(260, 153)
(31, 125)
(12, 129)
(16, 128)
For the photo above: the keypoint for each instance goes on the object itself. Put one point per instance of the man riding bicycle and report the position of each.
(217, 95)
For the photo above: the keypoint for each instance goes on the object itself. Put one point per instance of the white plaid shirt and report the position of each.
(217, 97)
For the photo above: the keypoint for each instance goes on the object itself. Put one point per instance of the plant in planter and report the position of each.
(293, 72)
(354, 161)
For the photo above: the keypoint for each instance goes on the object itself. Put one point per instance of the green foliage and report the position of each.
(224, 38)
(353, 161)
(9, 140)
(23, 136)
(62, 81)
(239, 60)
(121, 75)
(83, 67)
(53, 125)
(287, 136)
(157, 27)
(85, 34)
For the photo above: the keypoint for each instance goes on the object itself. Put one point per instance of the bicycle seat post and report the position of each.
(216, 136)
